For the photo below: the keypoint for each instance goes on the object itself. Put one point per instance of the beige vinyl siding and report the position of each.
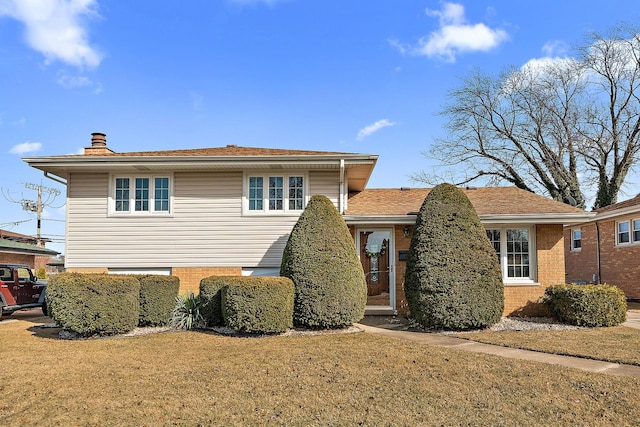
(327, 183)
(206, 226)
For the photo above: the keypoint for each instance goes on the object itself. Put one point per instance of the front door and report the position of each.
(376, 257)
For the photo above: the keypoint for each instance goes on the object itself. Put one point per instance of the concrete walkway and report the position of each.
(633, 320)
(398, 331)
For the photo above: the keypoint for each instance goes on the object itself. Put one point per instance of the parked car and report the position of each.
(20, 289)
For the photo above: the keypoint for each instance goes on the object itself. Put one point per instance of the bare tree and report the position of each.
(551, 126)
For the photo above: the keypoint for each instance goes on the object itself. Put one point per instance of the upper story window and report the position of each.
(274, 194)
(140, 195)
(516, 251)
(576, 239)
(628, 232)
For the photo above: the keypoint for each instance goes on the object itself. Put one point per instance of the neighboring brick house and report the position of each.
(18, 248)
(229, 210)
(606, 249)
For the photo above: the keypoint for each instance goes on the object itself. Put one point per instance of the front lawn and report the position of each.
(195, 378)
(616, 344)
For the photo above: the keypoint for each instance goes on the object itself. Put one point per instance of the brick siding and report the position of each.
(190, 277)
(619, 264)
(9, 258)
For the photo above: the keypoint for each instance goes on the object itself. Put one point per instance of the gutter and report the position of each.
(55, 178)
(341, 200)
(598, 266)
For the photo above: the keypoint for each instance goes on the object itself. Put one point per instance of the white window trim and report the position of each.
(572, 240)
(533, 261)
(631, 241)
(132, 190)
(265, 197)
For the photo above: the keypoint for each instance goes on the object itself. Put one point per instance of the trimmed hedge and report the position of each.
(210, 293)
(94, 304)
(157, 298)
(321, 259)
(587, 305)
(258, 304)
(453, 278)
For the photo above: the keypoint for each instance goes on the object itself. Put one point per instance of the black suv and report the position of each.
(19, 289)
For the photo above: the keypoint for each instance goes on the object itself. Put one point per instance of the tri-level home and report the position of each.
(606, 249)
(229, 211)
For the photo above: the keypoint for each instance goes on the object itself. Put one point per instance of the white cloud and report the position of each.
(454, 35)
(20, 122)
(69, 81)
(373, 128)
(56, 28)
(25, 148)
(555, 48)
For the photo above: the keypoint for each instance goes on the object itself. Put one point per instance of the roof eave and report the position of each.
(547, 218)
(617, 212)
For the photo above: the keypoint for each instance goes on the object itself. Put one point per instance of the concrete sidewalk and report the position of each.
(633, 320)
(398, 331)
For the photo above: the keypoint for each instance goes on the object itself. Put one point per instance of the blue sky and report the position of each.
(366, 76)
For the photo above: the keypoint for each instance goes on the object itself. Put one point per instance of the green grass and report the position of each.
(195, 378)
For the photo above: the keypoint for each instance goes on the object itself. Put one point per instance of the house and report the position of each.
(16, 248)
(606, 249)
(229, 211)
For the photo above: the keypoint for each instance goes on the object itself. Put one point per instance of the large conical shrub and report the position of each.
(320, 258)
(453, 278)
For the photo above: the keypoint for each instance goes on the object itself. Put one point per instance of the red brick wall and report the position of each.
(619, 265)
(582, 265)
(9, 258)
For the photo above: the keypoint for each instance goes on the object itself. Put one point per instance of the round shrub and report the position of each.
(157, 298)
(94, 304)
(210, 294)
(320, 258)
(453, 279)
(258, 304)
(587, 305)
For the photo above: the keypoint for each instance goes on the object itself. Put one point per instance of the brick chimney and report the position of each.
(98, 145)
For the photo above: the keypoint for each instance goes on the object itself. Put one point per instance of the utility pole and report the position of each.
(38, 206)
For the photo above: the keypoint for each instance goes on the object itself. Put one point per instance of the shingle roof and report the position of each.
(229, 150)
(486, 200)
(621, 205)
(25, 248)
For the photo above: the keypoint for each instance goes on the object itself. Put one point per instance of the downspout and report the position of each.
(597, 253)
(341, 198)
(55, 178)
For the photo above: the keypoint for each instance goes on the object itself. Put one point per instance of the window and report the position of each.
(518, 253)
(515, 250)
(283, 194)
(276, 196)
(141, 195)
(255, 193)
(628, 232)
(623, 232)
(576, 239)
